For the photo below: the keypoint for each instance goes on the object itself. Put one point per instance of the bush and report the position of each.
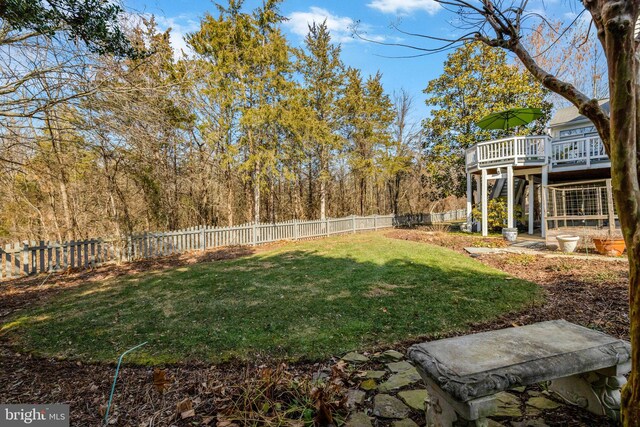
(497, 213)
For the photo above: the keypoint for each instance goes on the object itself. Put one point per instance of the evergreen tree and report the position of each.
(250, 69)
(323, 75)
(368, 114)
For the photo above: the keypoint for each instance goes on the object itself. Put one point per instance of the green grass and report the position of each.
(302, 301)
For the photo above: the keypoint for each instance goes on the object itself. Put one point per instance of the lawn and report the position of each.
(300, 301)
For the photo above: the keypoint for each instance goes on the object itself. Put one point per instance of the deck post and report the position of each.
(483, 191)
(532, 194)
(469, 200)
(510, 182)
(543, 199)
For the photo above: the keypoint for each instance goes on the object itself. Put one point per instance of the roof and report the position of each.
(570, 114)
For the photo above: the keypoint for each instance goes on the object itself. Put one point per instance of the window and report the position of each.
(577, 131)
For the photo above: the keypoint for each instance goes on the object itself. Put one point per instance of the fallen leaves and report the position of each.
(160, 381)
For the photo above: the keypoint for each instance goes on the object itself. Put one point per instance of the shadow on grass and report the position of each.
(303, 303)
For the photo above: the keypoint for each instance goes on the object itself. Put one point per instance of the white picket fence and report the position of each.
(27, 258)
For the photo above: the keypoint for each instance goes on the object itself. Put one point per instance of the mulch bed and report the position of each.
(591, 293)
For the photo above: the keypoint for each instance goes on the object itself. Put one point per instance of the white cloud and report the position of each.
(403, 7)
(180, 27)
(341, 27)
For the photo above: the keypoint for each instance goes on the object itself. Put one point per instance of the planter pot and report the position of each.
(609, 246)
(510, 234)
(567, 243)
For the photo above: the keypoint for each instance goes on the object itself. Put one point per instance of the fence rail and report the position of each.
(30, 257)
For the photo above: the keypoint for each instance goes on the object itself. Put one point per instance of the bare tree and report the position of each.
(504, 24)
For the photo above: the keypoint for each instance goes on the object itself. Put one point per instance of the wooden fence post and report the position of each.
(353, 223)
(7, 260)
(203, 246)
(25, 258)
(375, 221)
(295, 230)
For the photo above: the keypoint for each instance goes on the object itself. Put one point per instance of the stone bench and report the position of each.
(463, 374)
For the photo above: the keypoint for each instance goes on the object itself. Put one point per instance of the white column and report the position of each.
(483, 192)
(510, 182)
(543, 199)
(532, 201)
(469, 200)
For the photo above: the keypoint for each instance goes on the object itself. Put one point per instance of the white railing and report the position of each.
(512, 150)
(578, 152)
(30, 257)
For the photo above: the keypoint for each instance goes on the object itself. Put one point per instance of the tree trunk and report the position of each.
(256, 195)
(619, 45)
(323, 199)
(310, 195)
(324, 176)
(363, 190)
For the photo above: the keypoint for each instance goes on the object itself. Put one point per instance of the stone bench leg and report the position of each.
(442, 411)
(597, 392)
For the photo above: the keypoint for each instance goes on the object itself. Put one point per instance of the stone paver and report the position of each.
(399, 380)
(537, 404)
(389, 356)
(393, 401)
(354, 357)
(541, 402)
(387, 406)
(359, 419)
(414, 398)
(368, 385)
(508, 405)
(407, 422)
(355, 398)
(376, 375)
(399, 366)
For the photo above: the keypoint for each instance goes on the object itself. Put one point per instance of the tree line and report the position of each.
(108, 138)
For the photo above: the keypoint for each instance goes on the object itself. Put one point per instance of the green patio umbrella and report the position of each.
(510, 118)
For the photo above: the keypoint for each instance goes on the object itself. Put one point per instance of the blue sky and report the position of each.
(375, 18)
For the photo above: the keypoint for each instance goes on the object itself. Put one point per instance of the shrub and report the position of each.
(497, 213)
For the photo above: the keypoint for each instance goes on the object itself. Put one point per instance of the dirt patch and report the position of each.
(453, 241)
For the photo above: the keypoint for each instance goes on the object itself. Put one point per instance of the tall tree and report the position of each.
(477, 80)
(367, 117)
(323, 75)
(249, 53)
(395, 160)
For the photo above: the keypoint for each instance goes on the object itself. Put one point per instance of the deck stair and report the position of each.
(500, 189)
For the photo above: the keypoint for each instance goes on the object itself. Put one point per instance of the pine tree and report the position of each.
(323, 75)
(250, 58)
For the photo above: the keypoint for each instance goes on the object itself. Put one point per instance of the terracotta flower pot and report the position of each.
(609, 246)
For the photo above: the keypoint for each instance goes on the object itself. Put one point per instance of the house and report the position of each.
(562, 179)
